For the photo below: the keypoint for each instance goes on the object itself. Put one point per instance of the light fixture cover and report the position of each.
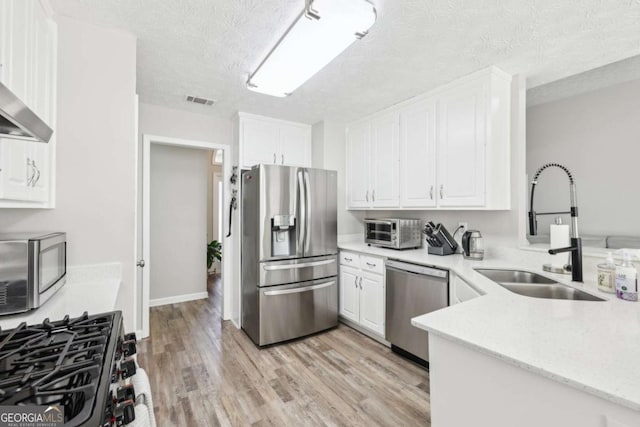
(322, 31)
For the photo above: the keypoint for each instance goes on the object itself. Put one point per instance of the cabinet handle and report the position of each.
(371, 265)
(33, 171)
(34, 182)
(356, 282)
(373, 196)
(274, 158)
(348, 259)
(441, 191)
(367, 196)
(361, 283)
(431, 192)
(282, 159)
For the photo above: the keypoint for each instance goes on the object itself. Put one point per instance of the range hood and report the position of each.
(17, 121)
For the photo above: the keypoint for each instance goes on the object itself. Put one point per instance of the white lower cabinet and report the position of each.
(350, 293)
(362, 291)
(461, 291)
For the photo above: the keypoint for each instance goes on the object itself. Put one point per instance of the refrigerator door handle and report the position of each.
(298, 290)
(302, 265)
(303, 211)
(307, 200)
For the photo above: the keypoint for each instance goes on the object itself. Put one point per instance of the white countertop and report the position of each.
(593, 346)
(82, 292)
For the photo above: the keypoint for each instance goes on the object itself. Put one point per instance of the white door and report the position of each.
(260, 142)
(295, 146)
(385, 166)
(349, 293)
(418, 155)
(372, 297)
(358, 158)
(461, 145)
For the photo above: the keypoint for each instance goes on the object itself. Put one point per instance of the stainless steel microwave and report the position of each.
(393, 233)
(33, 268)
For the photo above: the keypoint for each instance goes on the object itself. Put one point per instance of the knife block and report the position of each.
(442, 250)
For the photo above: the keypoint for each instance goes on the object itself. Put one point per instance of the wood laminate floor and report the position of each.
(205, 372)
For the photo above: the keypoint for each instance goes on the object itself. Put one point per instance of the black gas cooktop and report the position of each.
(75, 363)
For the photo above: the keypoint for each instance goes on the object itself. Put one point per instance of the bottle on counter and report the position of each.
(607, 275)
(627, 279)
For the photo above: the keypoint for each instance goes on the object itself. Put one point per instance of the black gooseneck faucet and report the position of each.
(576, 241)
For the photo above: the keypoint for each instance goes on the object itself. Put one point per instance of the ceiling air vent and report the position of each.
(199, 100)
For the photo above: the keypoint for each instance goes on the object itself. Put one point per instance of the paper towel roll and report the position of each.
(142, 387)
(559, 239)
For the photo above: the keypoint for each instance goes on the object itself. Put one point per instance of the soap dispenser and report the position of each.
(627, 279)
(607, 275)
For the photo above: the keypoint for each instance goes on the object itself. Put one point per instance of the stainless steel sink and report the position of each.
(535, 285)
(514, 276)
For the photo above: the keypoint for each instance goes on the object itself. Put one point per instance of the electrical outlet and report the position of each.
(465, 227)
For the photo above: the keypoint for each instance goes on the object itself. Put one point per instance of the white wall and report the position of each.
(163, 121)
(95, 153)
(178, 221)
(597, 136)
(329, 152)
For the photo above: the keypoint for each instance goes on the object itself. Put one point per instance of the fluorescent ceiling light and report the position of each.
(320, 33)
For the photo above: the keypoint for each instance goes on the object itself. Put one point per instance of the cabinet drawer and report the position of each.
(372, 264)
(349, 258)
(464, 291)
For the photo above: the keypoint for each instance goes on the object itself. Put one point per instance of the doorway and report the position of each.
(150, 142)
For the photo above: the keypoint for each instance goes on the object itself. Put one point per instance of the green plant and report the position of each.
(214, 250)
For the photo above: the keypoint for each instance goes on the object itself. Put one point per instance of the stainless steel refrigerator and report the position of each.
(289, 252)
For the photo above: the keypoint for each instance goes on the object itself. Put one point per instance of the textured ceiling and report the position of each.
(598, 78)
(208, 47)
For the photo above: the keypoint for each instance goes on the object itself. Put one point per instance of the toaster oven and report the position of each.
(33, 268)
(393, 233)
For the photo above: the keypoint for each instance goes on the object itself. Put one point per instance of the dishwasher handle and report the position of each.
(417, 269)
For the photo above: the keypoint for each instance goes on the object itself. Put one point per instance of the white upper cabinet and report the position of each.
(373, 163)
(358, 164)
(28, 67)
(418, 155)
(263, 140)
(295, 145)
(461, 145)
(452, 147)
(385, 160)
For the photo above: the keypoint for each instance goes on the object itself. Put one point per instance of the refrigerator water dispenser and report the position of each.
(283, 235)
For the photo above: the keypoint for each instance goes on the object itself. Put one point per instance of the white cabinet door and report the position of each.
(260, 141)
(349, 293)
(39, 155)
(418, 155)
(16, 171)
(385, 166)
(358, 158)
(464, 291)
(19, 57)
(372, 297)
(461, 145)
(295, 146)
(5, 40)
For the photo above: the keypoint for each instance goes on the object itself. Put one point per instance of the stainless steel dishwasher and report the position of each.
(412, 290)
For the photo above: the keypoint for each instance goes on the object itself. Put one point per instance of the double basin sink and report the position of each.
(534, 285)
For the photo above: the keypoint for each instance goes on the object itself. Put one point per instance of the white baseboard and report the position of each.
(177, 299)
